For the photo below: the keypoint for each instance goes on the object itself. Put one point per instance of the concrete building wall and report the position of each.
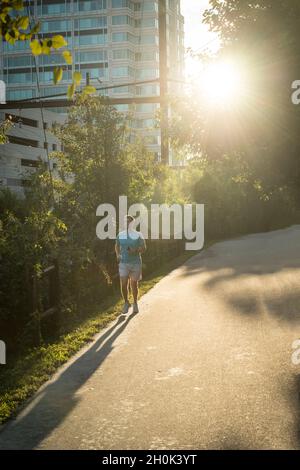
(27, 145)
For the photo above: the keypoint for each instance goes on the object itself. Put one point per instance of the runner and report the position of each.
(130, 244)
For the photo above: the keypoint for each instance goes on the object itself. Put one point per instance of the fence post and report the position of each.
(36, 314)
(55, 291)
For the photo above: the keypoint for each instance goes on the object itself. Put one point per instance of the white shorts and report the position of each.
(133, 271)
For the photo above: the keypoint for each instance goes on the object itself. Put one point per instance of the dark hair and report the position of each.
(130, 218)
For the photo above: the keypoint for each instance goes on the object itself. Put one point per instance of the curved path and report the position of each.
(205, 365)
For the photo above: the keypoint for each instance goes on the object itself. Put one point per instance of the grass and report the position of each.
(36, 366)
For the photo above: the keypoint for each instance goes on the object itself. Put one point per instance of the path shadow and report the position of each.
(254, 256)
(297, 405)
(50, 406)
(272, 261)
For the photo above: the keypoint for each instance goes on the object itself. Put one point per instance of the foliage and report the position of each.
(236, 202)
(27, 235)
(263, 37)
(244, 157)
(4, 127)
(97, 164)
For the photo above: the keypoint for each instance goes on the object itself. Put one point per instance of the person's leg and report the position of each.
(135, 274)
(134, 289)
(124, 288)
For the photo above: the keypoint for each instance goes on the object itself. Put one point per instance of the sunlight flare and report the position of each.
(220, 83)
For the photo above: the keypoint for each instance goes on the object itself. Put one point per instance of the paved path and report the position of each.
(205, 365)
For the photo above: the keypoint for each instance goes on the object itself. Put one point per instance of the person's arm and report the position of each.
(141, 248)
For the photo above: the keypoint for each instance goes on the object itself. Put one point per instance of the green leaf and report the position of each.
(23, 22)
(58, 41)
(71, 91)
(77, 77)
(68, 57)
(4, 17)
(36, 47)
(57, 74)
(35, 29)
(15, 33)
(46, 46)
(9, 38)
(18, 4)
(89, 90)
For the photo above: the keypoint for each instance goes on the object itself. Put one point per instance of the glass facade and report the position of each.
(114, 41)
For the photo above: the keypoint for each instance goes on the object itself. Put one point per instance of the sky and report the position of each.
(197, 34)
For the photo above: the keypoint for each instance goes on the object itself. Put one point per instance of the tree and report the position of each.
(263, 36)
(97, 164)
(29, 235)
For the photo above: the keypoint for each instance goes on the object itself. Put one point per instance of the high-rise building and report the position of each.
(115, 42)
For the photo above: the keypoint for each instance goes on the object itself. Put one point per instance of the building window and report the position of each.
(53, 7)
(90, 39)
(18, 46)
(22, 141)
(54, 147)
(123, 54)
(146, 107)
(123, 89)
(146, 23)
(90, 23)
(151, 140)
(122, 108)
(56, 26)
(47, 76)
(51, 59)
(54, 91)
(22, 77)
(22, 120)
(122, 19)
(144, 56)
(149, 39)
(145, 123)
(19, 61)
(147, 90)
(14, 182)
(88, 5)
(91, 56)
(123, 37)
(20, 94)
(147, 73)
(121, 4)
(30, 163)
(147, 6)
(95, 72)
(122, 72)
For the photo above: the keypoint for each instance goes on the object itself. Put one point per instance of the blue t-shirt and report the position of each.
(130, 239)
